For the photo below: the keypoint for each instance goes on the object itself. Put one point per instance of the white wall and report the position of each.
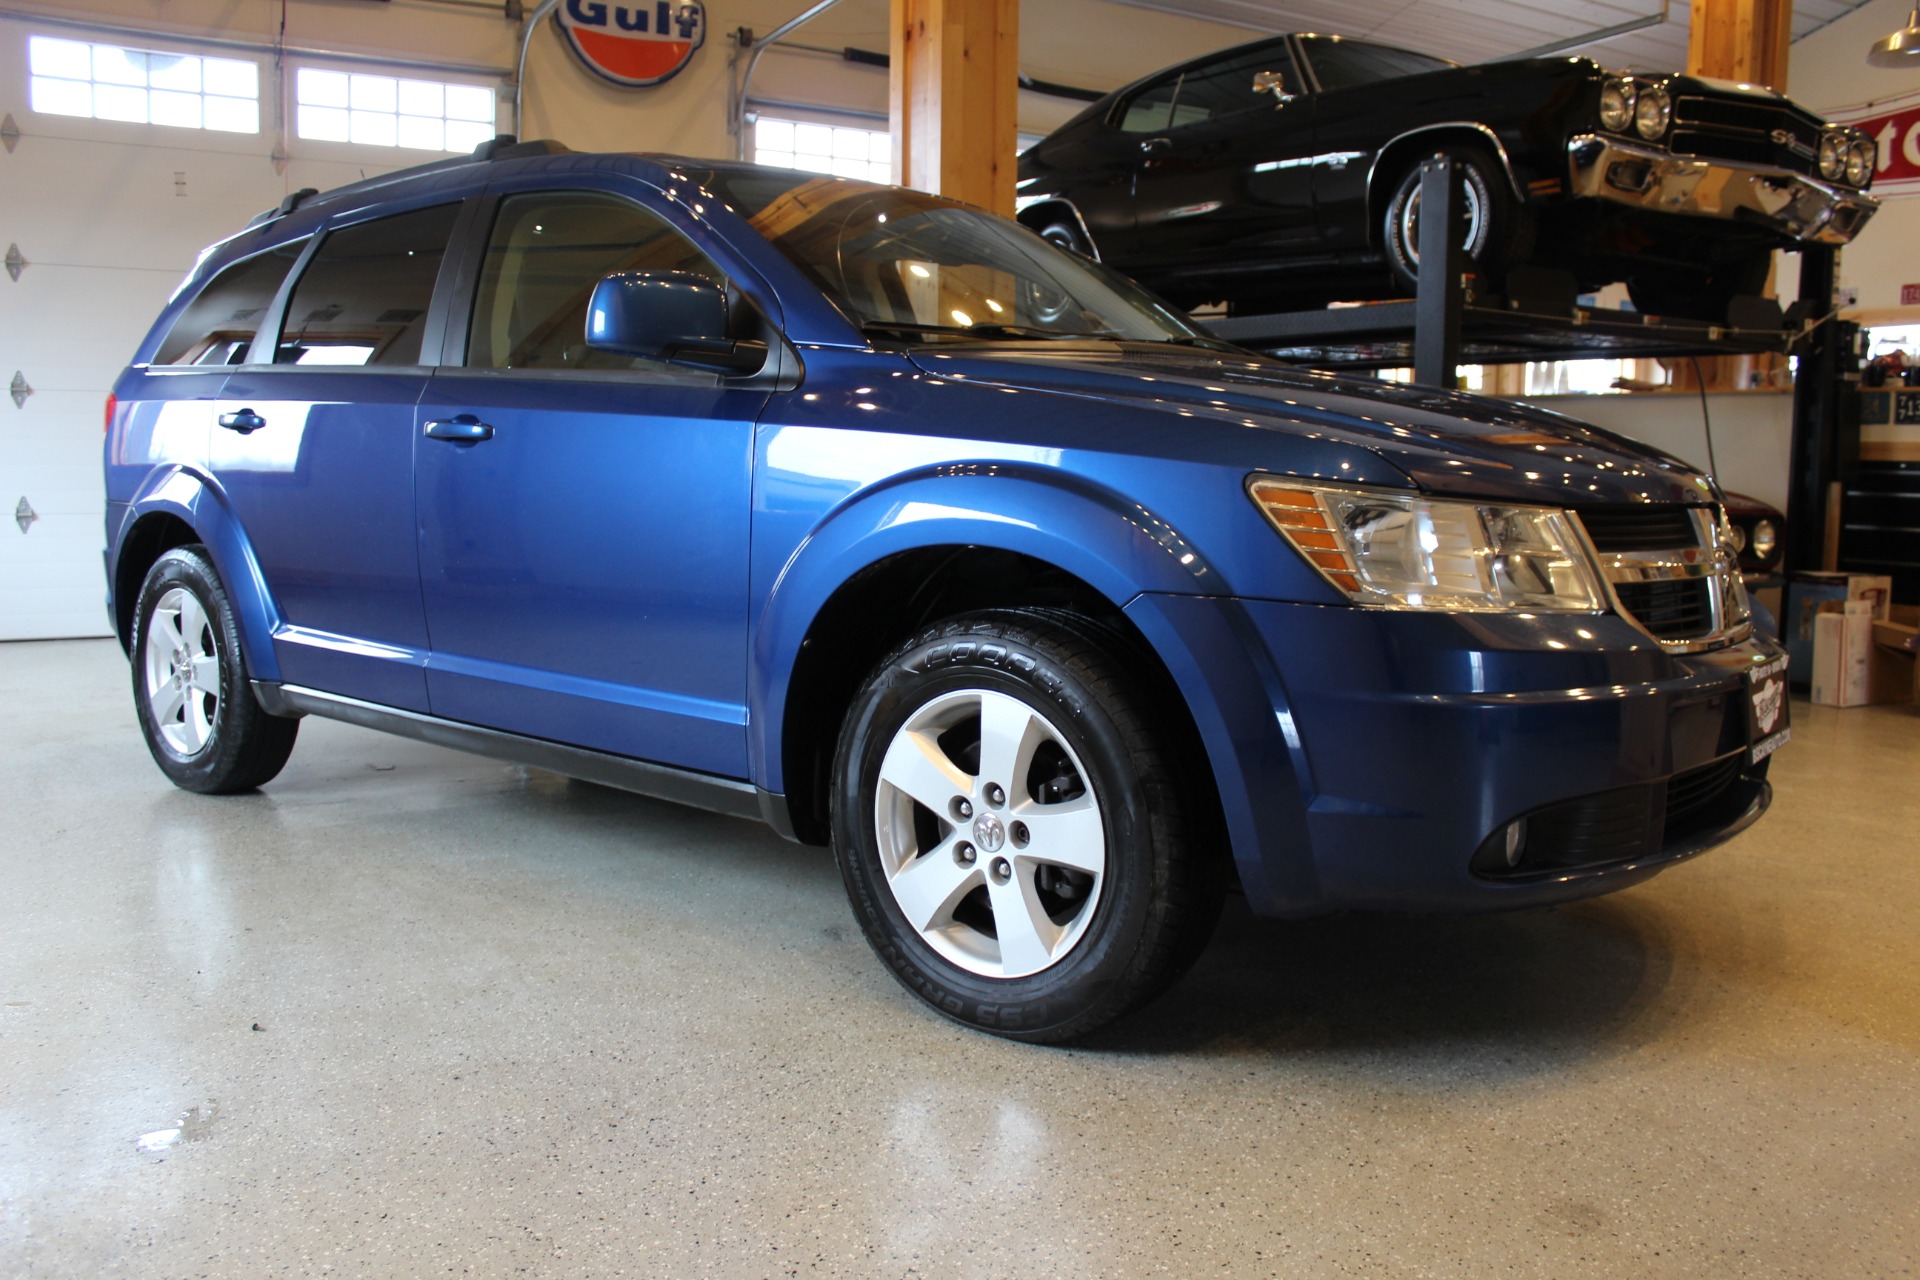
(1829, 74)
(1752, 432)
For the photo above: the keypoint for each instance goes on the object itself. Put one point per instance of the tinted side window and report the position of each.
(363, 299)
(1150, 110)
(1227, 89)
(218, 326)
(1343, 64)
(545, 255)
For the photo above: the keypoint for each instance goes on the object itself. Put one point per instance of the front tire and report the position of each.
(1494, 232)
(202, 723)
(1011, 834)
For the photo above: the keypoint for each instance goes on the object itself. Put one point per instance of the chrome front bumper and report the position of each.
(1649, 178)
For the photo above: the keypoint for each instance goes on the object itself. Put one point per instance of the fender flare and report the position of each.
(1119, 549)
(192, 498)
(1376, 197)
(1036, 216)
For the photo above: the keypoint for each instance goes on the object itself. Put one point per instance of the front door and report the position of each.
(583, 517)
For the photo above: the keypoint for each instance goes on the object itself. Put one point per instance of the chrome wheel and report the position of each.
(182, 671)
(989, 832)
(1473, 219)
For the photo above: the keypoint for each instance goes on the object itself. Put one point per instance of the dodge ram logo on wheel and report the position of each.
(637, 44)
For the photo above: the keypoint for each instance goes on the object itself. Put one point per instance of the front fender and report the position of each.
(1119, 549)
(189, 496)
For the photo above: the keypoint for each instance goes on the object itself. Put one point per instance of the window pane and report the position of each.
(320, 88)
(62, 97)
(324, 124)
(367, 291)
(119, 66)
(423, 98)
(231, 115)
(373, 129)
(218, 324)
(462, 136)
(546, 253)
(231, 78)
(68, 59)
(423, 134)
(181, 110)
(468, 102)
(373, 93)
(774, 135)
(170, 71)
(116, 102)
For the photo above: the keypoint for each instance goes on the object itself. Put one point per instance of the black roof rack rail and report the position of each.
(500, 147)
(507, 147)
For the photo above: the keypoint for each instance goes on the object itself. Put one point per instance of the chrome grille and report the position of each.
(1760, 133)
(1670, 573)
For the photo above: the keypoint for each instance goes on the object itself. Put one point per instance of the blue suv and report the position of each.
(878, 518)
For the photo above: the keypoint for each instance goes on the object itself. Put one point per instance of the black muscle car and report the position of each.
(1285, 173)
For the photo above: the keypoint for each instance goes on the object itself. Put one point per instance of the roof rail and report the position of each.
(501, 147)
(506, 146)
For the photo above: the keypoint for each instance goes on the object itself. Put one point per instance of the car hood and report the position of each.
(1443, 442)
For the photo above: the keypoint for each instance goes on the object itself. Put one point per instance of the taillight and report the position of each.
(113, 402)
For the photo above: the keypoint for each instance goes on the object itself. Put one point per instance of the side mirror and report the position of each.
(676, 316)
(1272, 82)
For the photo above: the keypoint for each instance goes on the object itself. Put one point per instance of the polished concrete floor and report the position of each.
(412, 1013)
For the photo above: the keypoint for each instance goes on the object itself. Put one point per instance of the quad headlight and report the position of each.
(1765, 539)
(1653, 113)
(1863, 157)
(1617, 100)
(1833, 156)
(1407, 550)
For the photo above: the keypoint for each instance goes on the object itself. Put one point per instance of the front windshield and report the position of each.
(905, 264)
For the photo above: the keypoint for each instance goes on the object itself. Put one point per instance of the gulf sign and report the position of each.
(1898, 136)
(635, 44)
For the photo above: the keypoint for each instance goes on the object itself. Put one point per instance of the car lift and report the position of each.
(1540, 320)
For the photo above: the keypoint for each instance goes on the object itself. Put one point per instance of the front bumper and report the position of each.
(1408, 741)
(1650, 178)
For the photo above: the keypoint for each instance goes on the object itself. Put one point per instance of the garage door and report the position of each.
(107, 216)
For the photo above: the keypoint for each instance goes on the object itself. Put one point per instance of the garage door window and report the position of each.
(819, 148)
(218, 326)
(142, 86)
(386, 111)
(364, 299)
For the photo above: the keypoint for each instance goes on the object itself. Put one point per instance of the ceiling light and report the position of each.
(1902, 48)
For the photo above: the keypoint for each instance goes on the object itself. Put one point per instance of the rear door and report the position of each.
(584, 561)
(313, 447)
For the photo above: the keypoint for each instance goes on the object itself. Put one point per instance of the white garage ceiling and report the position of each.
(1479, 30)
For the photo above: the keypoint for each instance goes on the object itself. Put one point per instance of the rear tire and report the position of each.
(1067, 234)
(206, 730)
(1012, 835)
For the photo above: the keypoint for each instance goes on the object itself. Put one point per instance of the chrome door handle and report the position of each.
(461, 429)
(245, 421)
(1151, 145)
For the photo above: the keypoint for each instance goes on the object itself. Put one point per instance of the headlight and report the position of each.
(1863, 157)
(1765, 539)
(1410, 551)
(1655, 109)
(1833, 156)
(1736, 537)
(1616, 105)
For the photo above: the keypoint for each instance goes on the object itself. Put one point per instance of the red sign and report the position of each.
(635, 44)
(1898, 133)
(1910, 295)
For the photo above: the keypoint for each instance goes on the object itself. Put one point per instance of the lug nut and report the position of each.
(1001, 871)
(962, 808)
(963, 854)
(995, 796)
(1020, 835)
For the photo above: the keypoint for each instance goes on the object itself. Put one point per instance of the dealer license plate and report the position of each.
(1767, 709)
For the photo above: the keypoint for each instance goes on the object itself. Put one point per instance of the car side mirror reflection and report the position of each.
(1272, 82)
(676, 316)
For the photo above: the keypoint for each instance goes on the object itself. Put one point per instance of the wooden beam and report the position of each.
(952, 96)
(1743, 40)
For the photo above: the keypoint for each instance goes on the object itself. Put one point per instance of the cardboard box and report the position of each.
(1807, 593)
(1895, 672)
(1842, 655)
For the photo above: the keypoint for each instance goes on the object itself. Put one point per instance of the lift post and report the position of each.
(1440, 297)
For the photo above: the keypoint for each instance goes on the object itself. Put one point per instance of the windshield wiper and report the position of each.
(986, 329)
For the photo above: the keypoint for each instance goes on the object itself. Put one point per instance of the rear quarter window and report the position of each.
(219, 324)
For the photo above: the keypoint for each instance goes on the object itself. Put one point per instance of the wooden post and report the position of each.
(953, 98)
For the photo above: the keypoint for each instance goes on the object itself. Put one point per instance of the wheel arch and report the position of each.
(873, 576)
(1405, 149)
(1042, 213)
(179, 507)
